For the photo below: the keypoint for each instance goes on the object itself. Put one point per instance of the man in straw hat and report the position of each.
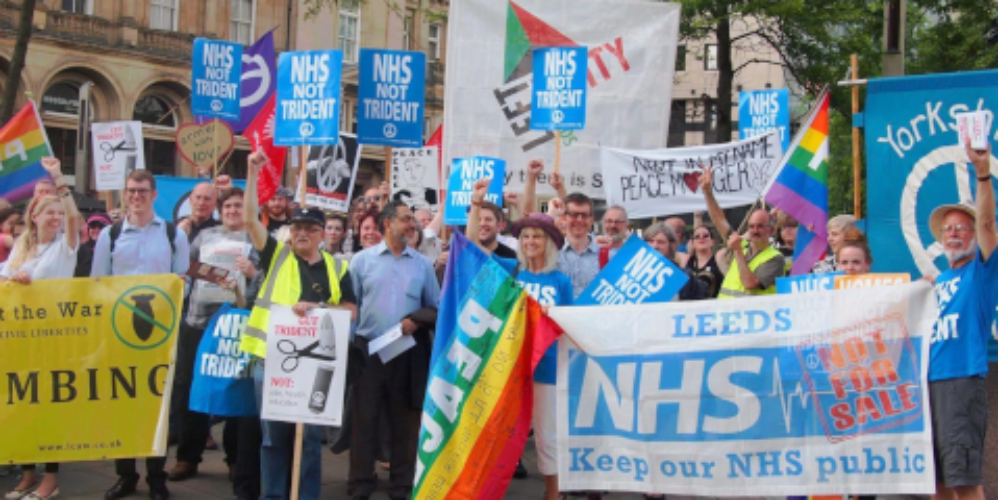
(958, 351)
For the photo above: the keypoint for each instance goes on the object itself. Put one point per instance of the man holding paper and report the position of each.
(302, 277)
(398, 294)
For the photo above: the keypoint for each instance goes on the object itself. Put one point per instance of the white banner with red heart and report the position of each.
(654, 182)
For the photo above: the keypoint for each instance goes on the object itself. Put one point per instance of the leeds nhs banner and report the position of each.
(631, 48)
(916, 164)
(87, 368)
(818, 393)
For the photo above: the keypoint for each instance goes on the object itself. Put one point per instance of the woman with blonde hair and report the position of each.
(46, 250)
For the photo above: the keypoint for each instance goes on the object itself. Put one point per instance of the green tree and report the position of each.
(17, 60)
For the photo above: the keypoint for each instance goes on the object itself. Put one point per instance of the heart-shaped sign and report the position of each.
(692, 181)
(203, 144)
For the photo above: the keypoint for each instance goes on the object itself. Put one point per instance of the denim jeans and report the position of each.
(277, 454)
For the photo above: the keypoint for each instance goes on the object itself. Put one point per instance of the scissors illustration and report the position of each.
(290, 363)
(109, 149)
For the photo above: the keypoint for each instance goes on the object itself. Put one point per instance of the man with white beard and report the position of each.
(958, 348)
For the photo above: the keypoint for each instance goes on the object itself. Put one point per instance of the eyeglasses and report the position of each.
(701, 236)
(957, 228)
(138, 191)
(613, 221)
(578, 215)
(758, 226)
(369, 199)
(310, 228)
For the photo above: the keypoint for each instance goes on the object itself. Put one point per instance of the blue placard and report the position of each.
(807, 282)
(636, 274)
(760, 111)
(308, 98)
(559, 97)
(463, 175)
(216, 70)
(392, 94)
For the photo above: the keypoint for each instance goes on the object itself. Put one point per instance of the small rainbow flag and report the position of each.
(479, 399)
(23, 144)
(800, 187)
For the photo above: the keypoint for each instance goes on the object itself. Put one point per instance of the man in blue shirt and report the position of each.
(958, 347)
(396, 288)
(141, 247)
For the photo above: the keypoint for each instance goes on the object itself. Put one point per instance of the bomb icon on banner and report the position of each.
(143, 326)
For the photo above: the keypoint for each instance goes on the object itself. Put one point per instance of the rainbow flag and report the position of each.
(23, 144)
(800, 187)
(479, 399)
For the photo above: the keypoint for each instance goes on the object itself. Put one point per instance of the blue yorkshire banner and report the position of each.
(916, 163)
(172, 195)
(216, 71)
(308, 98)
(805, 394)
(760, 111)
(559, 96)
(463, 175)
(392, 93)
(637, 274)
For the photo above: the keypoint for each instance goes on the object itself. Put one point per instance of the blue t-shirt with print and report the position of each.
(967, 300)
(553, 288)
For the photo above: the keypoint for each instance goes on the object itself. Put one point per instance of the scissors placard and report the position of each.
(306, 366)
(117, 148)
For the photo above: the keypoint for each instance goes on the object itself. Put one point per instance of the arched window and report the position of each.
(62, 98)
(155, 110)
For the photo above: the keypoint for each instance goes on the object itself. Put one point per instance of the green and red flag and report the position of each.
(479, 399)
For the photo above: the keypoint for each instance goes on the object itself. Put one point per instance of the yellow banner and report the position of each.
(87, 367)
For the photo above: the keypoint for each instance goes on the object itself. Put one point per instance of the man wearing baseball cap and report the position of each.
(958, 348)
(300, 276)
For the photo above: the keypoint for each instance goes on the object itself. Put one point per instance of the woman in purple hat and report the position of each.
(536, 270)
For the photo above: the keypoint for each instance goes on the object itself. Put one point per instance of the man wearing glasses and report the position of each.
(757, 264)
(959, 345)
(300, 276)
(579, 257)
(615, 233)
(138, 245)
(397, 290)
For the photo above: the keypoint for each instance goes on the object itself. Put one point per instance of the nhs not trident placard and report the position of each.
(216, 70)
(308, 98)
(392, 92)
(559, 99)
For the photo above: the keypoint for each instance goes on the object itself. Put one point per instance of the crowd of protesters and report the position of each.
(357, 261)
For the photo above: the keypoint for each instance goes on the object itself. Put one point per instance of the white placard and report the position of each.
(306, 367)
(415, 180)
(117, 148)
(390, 344)
(977, 126)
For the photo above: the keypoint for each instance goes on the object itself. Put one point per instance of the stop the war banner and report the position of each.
(631, 48)
(820, 393)
(666, 181)
(87, 367)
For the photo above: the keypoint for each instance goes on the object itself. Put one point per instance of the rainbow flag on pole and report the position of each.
(23, 144)
(800, 187)
(479, 399)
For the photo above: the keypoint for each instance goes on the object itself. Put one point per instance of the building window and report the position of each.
(408, 30)
(681, 58)
(710, 57)
(241, 25)
(163, 15)
(349, 36)
(161, 156)
(433, 42)
(76, 6)
(154, 110)
(62, 98)
(63, 142)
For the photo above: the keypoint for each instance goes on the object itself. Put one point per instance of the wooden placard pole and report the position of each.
(557, 151)
(299, 427)
(302, 174)
(856, 177)
(214, 148)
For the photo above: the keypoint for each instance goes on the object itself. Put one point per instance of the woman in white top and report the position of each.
(46, 250)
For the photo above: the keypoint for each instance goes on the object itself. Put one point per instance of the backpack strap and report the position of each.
(171, 234)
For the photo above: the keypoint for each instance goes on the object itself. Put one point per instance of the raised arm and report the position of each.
(716, 214)
(985, 226)
(534, 168)
(72, 215)
(257, 231)
(479, 189)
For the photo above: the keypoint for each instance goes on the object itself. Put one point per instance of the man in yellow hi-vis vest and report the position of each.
(300, 276)
(756, 263)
